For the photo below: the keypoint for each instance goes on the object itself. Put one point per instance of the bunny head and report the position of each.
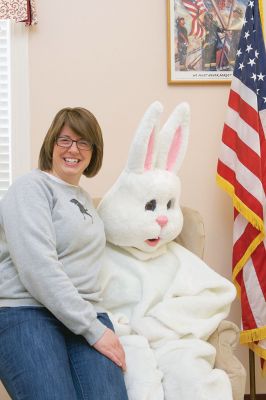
(141, 211)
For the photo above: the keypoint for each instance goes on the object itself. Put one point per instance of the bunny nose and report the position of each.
(162, 220)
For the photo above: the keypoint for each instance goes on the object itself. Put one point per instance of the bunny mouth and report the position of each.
(152, 242)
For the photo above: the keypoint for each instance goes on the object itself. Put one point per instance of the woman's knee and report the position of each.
(33, 358)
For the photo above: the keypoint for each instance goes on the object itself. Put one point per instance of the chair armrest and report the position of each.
(3, 393)
(192, 236)
(225, 339)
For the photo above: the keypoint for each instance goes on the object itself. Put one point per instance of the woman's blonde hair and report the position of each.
(85, 125)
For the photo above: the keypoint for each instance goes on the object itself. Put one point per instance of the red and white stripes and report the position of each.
(240, 173)
(196, 8)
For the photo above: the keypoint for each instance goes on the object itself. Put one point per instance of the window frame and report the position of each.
(20, 154)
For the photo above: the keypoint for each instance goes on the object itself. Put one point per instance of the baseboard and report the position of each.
(258, 397)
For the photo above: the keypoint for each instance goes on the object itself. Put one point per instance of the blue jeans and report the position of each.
(40, 359)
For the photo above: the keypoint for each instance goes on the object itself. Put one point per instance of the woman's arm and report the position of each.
(31, 239)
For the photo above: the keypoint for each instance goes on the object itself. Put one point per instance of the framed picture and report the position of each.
(203, 37)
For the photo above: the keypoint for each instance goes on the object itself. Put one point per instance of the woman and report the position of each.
(55, 341)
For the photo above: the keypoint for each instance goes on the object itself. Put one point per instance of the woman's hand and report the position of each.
(110, 346)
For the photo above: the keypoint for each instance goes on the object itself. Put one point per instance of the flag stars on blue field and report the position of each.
(261, 77)
(251, 62)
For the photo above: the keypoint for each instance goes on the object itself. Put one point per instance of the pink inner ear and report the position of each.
(148, 160)
(174, 149)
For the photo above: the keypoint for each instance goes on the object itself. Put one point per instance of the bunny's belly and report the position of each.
(130, 284)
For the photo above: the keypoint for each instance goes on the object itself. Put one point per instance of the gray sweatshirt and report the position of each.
(51, 245)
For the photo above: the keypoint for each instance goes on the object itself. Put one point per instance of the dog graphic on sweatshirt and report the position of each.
(82, 209)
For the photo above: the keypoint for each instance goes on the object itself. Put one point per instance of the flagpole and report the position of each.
(252, 380)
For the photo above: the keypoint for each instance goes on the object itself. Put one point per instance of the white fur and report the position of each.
(164, 301)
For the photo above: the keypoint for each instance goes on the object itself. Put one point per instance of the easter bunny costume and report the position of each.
(164, 301)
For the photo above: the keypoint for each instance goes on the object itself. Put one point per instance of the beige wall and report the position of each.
(110, 56)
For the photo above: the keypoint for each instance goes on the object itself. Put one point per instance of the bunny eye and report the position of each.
(170, 204)
(151, 205)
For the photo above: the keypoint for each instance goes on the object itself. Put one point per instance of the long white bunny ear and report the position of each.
(173, 139)
(142, 151)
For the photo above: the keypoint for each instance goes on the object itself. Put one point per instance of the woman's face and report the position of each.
(69, 163)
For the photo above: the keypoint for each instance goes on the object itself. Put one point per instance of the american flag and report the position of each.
(195, 8)
(241, 173)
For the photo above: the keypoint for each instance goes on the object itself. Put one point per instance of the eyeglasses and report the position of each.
(66, 142)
